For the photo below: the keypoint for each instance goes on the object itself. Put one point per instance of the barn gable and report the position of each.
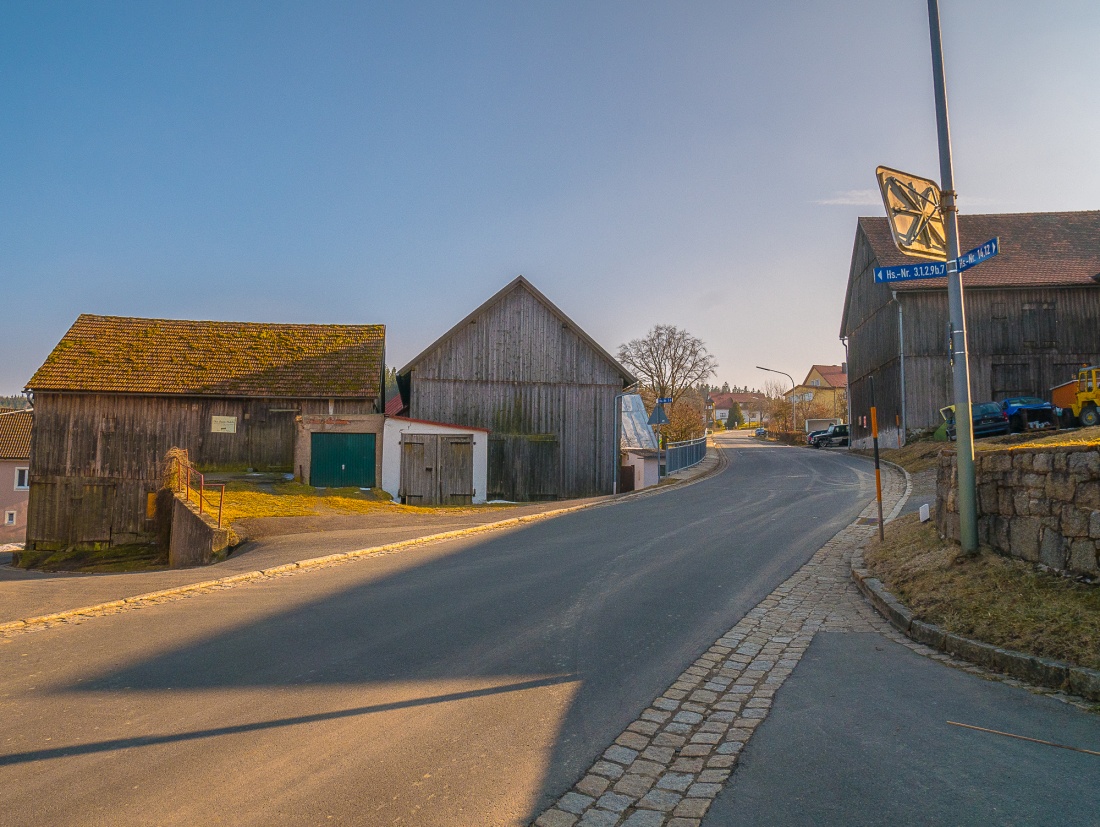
(520, 367)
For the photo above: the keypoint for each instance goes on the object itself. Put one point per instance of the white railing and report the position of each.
(681, 455)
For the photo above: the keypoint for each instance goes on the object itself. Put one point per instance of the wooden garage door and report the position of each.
(437, 469)
(341, 460)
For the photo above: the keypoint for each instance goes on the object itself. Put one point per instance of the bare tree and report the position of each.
(668, 360)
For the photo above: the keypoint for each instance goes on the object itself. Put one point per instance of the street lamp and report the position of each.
(773, 370)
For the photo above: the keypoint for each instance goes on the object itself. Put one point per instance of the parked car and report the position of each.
(835, 437)
(989, 419)
(1026, 412)
(813, 435)
(760, 432)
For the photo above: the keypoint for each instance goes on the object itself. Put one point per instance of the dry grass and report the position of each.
(989, 598)
(293, 499)
(923, 455)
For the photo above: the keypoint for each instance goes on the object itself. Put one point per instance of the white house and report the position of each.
(430, 463)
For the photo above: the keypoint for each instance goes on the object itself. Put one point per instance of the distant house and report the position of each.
(720, 404)
(519, 367)
(823, 394)
(15, 451)
(116, 393)
(1032, 314)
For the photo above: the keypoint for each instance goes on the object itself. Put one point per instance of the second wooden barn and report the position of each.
(518, 366)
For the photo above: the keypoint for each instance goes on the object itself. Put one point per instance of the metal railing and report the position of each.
(681, 455)
(185, 474)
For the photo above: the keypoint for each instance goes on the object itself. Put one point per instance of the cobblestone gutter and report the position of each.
(667, 766)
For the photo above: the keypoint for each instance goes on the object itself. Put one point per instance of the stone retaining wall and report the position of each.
(1042, 506)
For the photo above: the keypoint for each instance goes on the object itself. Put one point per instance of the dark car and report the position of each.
(760, 432)
(1026, 412)
(811, 437)
(835, 437)
(989, 419)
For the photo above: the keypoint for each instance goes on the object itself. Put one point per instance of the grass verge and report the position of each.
(293, 499)
(127, 558)
(990, 598)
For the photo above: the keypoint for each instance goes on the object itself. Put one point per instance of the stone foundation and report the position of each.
(1038, 505)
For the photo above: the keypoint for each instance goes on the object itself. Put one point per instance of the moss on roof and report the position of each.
(114, 354)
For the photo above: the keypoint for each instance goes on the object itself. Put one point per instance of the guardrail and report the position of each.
(185, 474)
(681, 455)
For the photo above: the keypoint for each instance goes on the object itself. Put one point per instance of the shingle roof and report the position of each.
(114, 354)
(15, 435)
(723, 401)
(833, 374)
(1037, 249)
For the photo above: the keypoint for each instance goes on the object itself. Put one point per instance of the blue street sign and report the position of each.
(938, 269)
(665, 400)
(906, 272)
(979, 254)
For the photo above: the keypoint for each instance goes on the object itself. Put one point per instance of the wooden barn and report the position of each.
(1032, 315)
(116, 393)
(520, 367)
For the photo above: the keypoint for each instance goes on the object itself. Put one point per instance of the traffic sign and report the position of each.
(658, 417)
(665, 400)
(979, 254)
(913, 211)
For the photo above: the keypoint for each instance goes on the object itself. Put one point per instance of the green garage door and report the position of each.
(342, 461)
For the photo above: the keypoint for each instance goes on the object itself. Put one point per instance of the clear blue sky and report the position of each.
(694, 163)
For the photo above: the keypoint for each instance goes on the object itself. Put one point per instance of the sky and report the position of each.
(700, 164)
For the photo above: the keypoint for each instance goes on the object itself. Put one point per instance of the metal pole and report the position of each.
(964, 423)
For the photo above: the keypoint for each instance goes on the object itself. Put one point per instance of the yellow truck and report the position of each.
(1081, 396)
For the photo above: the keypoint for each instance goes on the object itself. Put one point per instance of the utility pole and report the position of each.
(964, 423)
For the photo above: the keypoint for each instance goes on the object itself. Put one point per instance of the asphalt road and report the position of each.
(859, 735)
(462, 683)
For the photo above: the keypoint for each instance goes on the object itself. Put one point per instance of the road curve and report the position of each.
(468, 682)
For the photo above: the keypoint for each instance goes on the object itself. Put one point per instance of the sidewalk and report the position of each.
(30, 594)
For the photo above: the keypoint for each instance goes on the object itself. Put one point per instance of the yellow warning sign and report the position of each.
(913, 209)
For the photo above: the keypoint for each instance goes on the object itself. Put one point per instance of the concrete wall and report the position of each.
(193, 541)
(14, 500)
(338, 423)
(390, 449)
(1040, 506)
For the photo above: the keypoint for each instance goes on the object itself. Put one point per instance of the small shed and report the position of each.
(518, 366)
(430, 463)
(117, 393)
(15, 452)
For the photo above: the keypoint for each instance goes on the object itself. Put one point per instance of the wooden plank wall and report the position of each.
(1007, 358)
(517, 369)
(84, 444)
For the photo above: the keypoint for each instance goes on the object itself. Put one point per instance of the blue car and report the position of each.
(1026, 412)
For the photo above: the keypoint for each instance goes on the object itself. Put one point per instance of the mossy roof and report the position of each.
(115, 354)
(15, 435)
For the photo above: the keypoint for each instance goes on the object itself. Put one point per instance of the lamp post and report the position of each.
(773, 370)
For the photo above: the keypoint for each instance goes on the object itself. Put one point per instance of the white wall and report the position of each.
(391, 452)
(645, 469)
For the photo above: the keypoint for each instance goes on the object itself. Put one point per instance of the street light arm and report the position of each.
(781, 373)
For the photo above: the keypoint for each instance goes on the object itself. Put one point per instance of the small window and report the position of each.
(22, 479)
(815, 382)
(9, 518)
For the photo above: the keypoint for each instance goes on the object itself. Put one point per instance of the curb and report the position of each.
(1045, 672)
(330, 559)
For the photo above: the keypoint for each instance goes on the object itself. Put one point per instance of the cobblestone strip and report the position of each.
(666, 768)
